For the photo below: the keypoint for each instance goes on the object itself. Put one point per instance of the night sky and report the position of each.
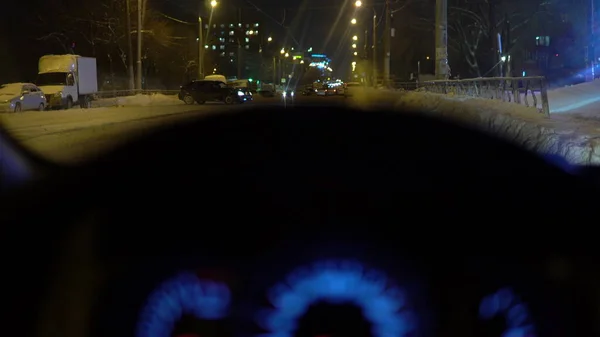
(310, 22)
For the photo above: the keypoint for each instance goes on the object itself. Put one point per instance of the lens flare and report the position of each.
(183, 294)
(504, 302)
(337, 282)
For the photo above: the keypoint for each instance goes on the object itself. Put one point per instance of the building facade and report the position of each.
(233, 49)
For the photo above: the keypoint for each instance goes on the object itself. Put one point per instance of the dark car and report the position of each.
(308, 90)
(288, 93)
(206, 91)
(247, 93)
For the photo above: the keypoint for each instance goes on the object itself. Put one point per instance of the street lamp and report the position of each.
(354, 38)
(269, 39)
(353, 21)
(282, 51)
(287, 54)
(358, 3)
(200, 39)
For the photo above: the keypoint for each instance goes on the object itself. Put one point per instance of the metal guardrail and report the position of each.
(507, 89)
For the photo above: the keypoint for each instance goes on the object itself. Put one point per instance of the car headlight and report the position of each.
(240, 93)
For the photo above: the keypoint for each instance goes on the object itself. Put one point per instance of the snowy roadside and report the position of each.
(574, 138)
(138, 100)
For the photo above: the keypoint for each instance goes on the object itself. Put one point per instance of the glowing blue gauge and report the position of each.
(337, 282)
(183, 294)
(504, 302)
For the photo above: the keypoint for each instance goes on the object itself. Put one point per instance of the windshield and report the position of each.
(10, 89)
(51, 79)
(491, 65)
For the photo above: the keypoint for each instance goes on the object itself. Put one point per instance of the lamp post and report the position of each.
(201, 48)
(359, 4)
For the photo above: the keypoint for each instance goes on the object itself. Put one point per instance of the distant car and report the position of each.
(208, 90)
(16, 97)
(326, 90)
(308, 90)
(288, 93)
(351, 88)
(247, 93)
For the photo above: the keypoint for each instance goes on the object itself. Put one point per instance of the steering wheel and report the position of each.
(255, 193)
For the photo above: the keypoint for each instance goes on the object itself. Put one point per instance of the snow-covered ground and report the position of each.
(574, 137)
(138, 100)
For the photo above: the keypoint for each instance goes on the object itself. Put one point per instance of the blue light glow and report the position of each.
(504, 302)
(338, 282)
(183, 294)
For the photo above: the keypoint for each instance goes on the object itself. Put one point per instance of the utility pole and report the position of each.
(441, 39)
(387, 35)
(139, 47)
(130, 72)
(374, 48)
(592, 47)
(274, 71)
(200, 47)
(239, 53)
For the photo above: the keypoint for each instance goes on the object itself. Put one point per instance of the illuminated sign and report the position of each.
(318, 55)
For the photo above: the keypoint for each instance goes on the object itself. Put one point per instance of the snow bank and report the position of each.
(575, 140)
(139, 100)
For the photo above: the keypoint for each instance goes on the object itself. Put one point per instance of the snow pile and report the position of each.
(145, 100)
(576, 141)
(138, 100)
(573, 97)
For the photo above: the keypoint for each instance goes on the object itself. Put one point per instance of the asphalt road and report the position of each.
(72, 136)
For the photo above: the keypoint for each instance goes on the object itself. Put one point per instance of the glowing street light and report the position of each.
(282, 51)
(355, 53)
(269, 39)
(358, 3)
(354, 38)
(353, 21)
(287, 54)
(213, 4)
(354, 46)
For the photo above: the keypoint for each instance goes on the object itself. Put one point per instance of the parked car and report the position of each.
(16, 97)
(208, 90)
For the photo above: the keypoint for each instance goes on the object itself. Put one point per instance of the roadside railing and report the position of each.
(507, 89)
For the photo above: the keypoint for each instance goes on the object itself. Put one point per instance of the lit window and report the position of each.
(231, 33)
(222, 54)
(231, 54)
(222, 39)
(240, 25)
(256, 32)
(247, 26)
(222, 26)
(247, 47)
(256, 25)
(214, 47)
(214, 25)
(222, 47)
(231, 25)
(247, 39)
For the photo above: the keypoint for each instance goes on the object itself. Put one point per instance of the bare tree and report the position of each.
(473, 25)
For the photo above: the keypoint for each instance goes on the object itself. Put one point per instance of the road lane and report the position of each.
(72, 136)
